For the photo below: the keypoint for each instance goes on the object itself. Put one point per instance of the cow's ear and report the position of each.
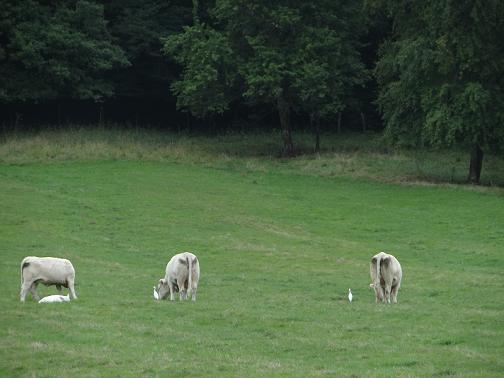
(162, 281)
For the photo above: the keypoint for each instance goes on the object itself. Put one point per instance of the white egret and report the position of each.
(156, 295)
(350, 296)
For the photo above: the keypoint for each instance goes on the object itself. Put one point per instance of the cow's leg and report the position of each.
(387, 293)
(33, 291)
(188, 290)
(188, 293)
(194, 289)
(393, 294)
(71, 287)
(25, 287)
(182, 288)
(378, 293)
(183, 293)
(395, 290)
(172, 290)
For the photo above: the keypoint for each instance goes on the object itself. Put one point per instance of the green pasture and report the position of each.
(278, 250)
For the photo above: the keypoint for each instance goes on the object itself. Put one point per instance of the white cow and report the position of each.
(55, 299)
(386, 275)
(46, 270)
(182, 275)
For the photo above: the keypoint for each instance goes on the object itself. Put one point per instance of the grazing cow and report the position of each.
(46, 270)
(182, 275)
(386, 274)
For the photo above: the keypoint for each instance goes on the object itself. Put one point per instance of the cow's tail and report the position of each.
(24, 264)
(378, 271)
(189, 265)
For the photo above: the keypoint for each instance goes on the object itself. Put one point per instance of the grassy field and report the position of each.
(279, 245)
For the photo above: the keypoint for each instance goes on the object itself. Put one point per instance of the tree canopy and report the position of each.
(51, 51)
(138, 28)
(440, 75)
(436, 76)
(294, 56)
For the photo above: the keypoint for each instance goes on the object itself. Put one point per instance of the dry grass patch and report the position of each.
(349, 155)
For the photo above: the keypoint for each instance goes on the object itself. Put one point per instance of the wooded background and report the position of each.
(426, 72)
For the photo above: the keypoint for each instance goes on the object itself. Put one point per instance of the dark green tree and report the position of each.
(441, 75)
(54, 50)
(331, 67)
(138, 28)
(206, 83)
(293, 55)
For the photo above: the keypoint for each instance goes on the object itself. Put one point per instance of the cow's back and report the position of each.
(389, 267)
(49, 269)
(397, 269)
(178, 267)
(373, 270)
(391, 270)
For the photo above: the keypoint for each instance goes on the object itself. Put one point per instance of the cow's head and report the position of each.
(163, 288)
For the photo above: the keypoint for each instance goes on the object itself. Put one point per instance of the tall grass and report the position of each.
(349, 155)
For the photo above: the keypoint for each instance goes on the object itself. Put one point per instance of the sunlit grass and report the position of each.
(278, 249)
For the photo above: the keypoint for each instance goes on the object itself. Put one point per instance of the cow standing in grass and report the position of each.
(46, 270)
(386, 275)
(182, 275)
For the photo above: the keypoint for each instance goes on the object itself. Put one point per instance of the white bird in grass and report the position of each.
(55, 299)
(156, 295)
(350, 296)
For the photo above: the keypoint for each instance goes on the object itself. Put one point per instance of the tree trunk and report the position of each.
(476, 164)
(363, 119)
(212, 125)
(339, 122)
(59, 112)
(284, 115)
(316, 121)
(18, 121)
(100, 120)
(195, 9)
(315, 126)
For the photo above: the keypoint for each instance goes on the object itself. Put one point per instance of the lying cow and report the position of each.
(386, 275)
(46, 270)
(182, 275)
(55, 299)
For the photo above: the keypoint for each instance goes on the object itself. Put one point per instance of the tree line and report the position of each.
(432, 69)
